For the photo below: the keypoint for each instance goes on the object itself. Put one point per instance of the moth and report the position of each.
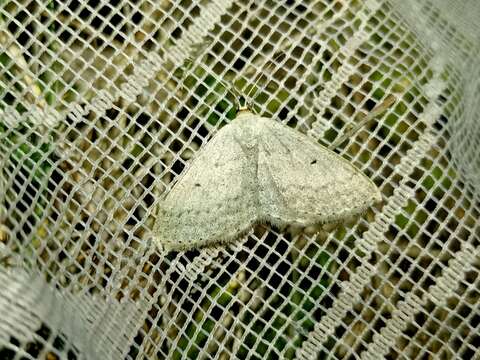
(256, 170)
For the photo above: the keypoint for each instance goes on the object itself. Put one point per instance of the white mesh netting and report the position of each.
(102, 104)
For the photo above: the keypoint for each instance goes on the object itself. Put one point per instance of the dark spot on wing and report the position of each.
(314, 161)
(197, 184)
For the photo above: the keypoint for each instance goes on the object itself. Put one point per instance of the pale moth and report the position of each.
(256, 170)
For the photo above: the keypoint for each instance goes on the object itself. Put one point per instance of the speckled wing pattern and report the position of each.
(257, 170)
(216, 198)
(304, 183)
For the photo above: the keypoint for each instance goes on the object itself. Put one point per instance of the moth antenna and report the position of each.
(198, 48)
(231, 89)
(377, 110)
(249, 96)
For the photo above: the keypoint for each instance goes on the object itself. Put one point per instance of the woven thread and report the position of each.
(103, 105)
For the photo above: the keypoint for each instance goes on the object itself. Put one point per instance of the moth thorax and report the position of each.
(243, 112)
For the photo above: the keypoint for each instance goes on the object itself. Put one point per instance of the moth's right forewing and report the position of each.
(305, 183)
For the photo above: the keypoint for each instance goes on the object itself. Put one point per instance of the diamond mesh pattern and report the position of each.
(102, 104)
